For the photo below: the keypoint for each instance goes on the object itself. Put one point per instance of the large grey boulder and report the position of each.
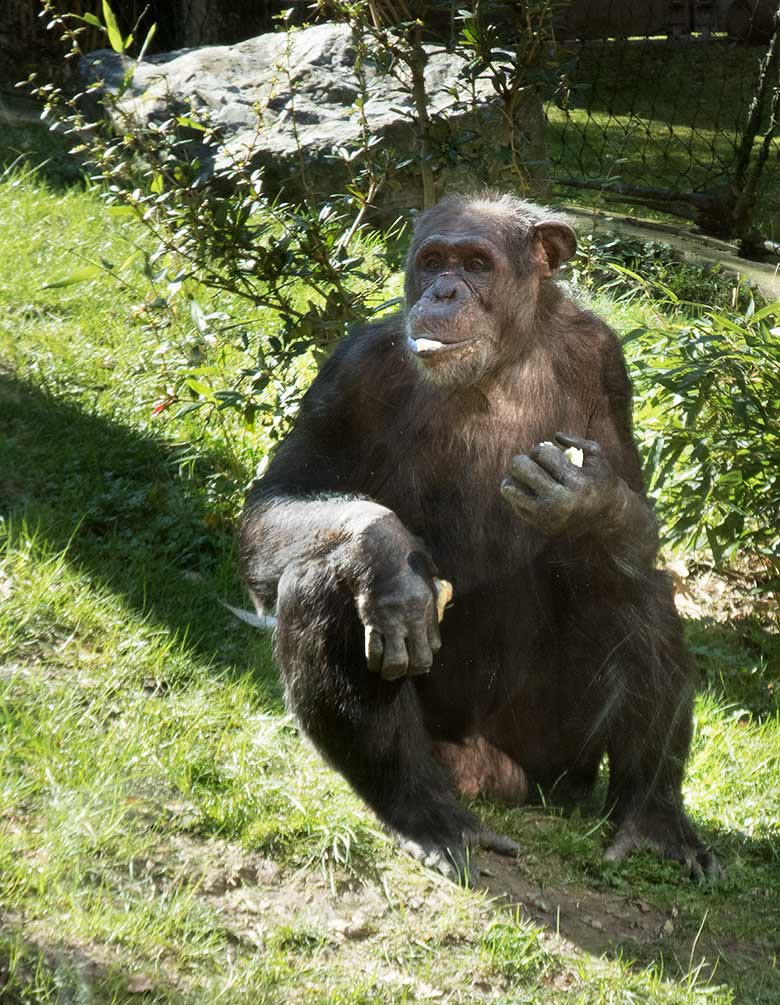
(281, 94)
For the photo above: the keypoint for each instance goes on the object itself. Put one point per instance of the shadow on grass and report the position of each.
(134, 517)
(689, 936)
(739, 661)
(30, 145)
(645, 912)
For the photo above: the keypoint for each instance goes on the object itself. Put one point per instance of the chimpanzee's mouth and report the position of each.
(422, 346)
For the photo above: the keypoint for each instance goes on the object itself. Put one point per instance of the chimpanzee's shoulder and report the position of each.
(371, 357)
(592, 350)
(371, 343)
(367, 351)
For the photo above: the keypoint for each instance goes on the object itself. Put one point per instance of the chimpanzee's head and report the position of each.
(473, 276)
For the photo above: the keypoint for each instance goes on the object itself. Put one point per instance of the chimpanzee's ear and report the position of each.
(558, 242)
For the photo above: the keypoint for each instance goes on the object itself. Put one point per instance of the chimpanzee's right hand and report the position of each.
(396, 601)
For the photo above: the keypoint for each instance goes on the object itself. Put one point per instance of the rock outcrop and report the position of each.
(278, 96)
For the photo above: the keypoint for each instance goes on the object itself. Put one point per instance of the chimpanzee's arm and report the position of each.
(599, 503)
(308, 508)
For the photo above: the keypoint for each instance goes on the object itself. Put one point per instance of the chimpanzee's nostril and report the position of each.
(445, 291)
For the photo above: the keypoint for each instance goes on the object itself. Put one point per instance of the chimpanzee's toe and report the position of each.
(673, 838)
(453, 861)
(499, 843)
(700, 864)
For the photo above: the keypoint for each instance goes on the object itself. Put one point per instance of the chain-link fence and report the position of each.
(671, 108)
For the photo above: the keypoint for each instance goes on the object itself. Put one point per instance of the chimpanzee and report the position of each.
(438, 443)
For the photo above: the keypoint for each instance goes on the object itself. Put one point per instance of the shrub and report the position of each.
(240, 291)
(709, 396)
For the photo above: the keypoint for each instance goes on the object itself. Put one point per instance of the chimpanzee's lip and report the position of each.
(423, 346)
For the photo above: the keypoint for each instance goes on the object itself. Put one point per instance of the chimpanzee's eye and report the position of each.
(477, 263)
(432, 261)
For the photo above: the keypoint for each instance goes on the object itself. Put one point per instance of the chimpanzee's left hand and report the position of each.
(552, 493)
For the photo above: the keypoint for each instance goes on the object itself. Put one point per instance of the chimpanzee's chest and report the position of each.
(446, 490)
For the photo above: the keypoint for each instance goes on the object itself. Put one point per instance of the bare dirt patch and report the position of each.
(255, 897)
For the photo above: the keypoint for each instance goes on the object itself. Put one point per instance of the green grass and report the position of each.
(165, 833)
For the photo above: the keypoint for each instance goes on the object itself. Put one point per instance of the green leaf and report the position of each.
(205, 371)
(715, 544)
(114, 34)
(90, 19)
(729, 325)
(191, 406)
(198, 317)
(149, 36)
(770, 311)
(188, 122)
(82, 275)
(201, 389)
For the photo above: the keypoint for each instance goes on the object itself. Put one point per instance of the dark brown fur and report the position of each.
(559, 647)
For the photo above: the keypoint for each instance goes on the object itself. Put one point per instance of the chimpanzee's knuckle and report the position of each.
(519, 463)
(420, 656)
(393, 671)
(508, 489)
(418, 599)
(557, 496)
(540, 449)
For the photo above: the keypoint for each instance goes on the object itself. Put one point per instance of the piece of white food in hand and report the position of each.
(443, 596)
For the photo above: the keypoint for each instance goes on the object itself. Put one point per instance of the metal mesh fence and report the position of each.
(662, 115)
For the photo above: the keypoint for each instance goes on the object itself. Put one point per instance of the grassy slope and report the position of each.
(163, 828)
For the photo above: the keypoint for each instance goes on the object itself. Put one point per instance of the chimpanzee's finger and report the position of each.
(530, 474)
(375, 648)
(586, 446)
(554, 462)
(712, 869)
(520, 497)
(396, 660)
(418, 647)
(434, 637)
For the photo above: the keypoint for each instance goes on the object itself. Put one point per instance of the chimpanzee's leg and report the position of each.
(369, 729)
(650, 692)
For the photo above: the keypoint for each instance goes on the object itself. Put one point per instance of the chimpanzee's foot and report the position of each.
(480, 769)
(455, 860)
(673, 837)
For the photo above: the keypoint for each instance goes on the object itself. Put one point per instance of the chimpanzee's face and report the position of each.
(452, 328)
